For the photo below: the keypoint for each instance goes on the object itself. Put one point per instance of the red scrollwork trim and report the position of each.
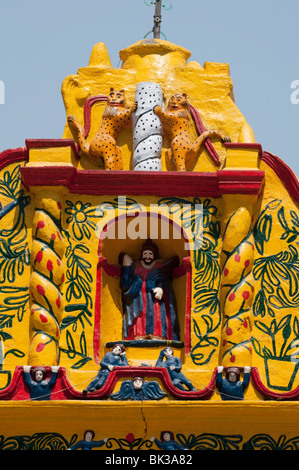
(64, 390)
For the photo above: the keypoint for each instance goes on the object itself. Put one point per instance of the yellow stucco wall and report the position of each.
(244, 281)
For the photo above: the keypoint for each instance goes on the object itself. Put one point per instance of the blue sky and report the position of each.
(43, 41)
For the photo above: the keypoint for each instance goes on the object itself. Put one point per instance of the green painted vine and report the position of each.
(278, 278)
(206, 231)
(205, 441)
(14, 257)
(79, 281)
(81, 220)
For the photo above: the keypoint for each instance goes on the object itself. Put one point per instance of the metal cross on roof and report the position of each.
(159, 4)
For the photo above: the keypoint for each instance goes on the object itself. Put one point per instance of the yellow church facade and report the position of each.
(149, 268)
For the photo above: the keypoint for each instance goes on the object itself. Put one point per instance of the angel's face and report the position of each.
(137, 384)
(116, 350)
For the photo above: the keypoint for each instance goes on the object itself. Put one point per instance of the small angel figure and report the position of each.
(88, 442)
(138, 389)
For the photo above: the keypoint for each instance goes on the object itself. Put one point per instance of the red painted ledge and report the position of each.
(211, 184)
(244, 146)
(185, 184)
(240, 181)
(284, 173)
(64, 390)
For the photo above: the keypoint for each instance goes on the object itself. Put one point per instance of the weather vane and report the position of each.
(159, 4)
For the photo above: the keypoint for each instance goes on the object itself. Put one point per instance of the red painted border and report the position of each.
(52, 143)
(185, 184)
(269, 394)
(188, 184)
(240, 182)
(64, 390)
(97, 315)
(7, 157)
(248, 146)
(188, 309)
(158, 373)
(284, 173)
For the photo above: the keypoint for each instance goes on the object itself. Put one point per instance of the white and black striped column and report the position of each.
(147, 128)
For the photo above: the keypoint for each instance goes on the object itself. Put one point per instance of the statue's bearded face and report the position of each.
(147, 256)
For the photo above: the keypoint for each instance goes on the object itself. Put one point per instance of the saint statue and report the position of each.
(149, 305)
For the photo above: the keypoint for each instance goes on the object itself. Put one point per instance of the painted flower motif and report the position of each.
(40, 224)
(40, 347)
(49, 265)
(39, 256)
(40, 289)
(79, 216)
(246, 295)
